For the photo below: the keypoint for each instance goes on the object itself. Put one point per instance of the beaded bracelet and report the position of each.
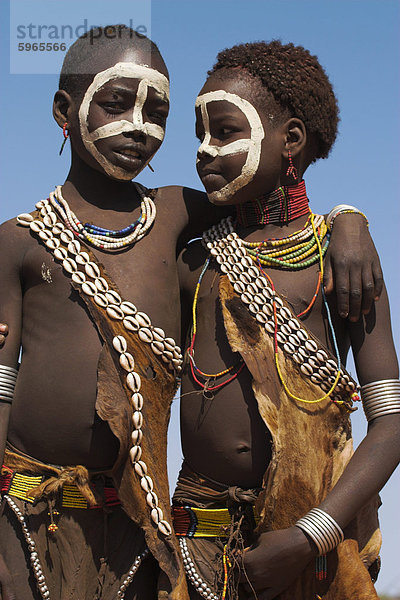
(8, 378)
(342, 209)
(381, 398)
(322, 529)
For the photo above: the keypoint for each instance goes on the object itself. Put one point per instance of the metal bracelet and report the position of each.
(340, 209)
(8, 379)
(322, 529)
(381, 398)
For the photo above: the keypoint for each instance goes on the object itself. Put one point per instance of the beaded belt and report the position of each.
(203, 522)
(18, 484)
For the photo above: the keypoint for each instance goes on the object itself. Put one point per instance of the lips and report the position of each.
(130, 156)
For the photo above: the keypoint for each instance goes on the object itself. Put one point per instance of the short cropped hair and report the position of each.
(296, 81)
(78, 67)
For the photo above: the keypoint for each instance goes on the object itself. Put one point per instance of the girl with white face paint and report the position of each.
(253, 441)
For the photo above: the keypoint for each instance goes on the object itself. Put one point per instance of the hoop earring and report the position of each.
(291, 170)
(66, 136)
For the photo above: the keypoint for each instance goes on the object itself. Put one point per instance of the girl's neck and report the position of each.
(279, 207)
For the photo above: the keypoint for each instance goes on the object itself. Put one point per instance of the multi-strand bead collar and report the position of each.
(283, 205)
(99, 237)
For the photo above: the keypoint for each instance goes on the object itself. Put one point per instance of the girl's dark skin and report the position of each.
(225, 438)
(56, 389)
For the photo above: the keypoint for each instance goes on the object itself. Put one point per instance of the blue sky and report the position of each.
(356, 41)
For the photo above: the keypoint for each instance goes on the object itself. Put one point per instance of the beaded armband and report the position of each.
(381, 398)
(322, 529)
(341, 209)
(8, 378)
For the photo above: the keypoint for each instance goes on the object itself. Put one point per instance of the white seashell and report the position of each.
(313, 362)
(120, 343)
(131, 323)
(52, 243)
(50, 219)
(66, 236)
(246, 262)
(267, 308)
(164, 527)
(246, 298)
(43, 210)
(157, 347)
(220, 258)
(306, 369)
(24, 219)
(169, 344)
(239, 287)
(324, 371)
(322, 355)
(286, 329)
(113, 297)
(78, 277)
(177, 352)
(101, 284)
(135, 453)
(92, 270)
(297, 358)
(60, 254)
(238, 268)
(137, 419)
(100, 300)
(143, 319)
(137, 436)
(82, 258)
(224, 268)
(316, 378)
(146, 483)
(253, 272)
(289, 348)
(252, 289)
(69, 265)
(177, 363)
(74, 247)
(133, 381)
(128, 308)
(45, 235)
(302, 335)
(168, 355)
(127, 362)
(303, 352)
(57, 229)
(113, 310)
(293, 339)
(254, 308)
(270, 327)
(89, 288)
(140, 468)
(157, 515)
(137, 401)
(261, 317)
(278, 302)
(285, 312)
(145, 335)
(152, 499)
(232, 260)
(158, 334)
(260, 282)
(293, 324)
(280, 337)
(39, 204)
(36, 226)
(311, 346)
(213, 251)
(331, 365)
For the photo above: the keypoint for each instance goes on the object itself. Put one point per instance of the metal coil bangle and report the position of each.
(381, 398)
(322, 529)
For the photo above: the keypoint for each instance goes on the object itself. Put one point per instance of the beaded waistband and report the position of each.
(190, 521)
(18, 485)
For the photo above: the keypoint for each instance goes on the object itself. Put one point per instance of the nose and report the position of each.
(136, 133)
(206, 150)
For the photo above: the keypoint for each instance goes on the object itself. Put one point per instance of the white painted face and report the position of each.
(148, 78)
(251, 146)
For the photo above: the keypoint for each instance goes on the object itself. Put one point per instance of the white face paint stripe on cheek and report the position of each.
(252, 145)
(148, 78)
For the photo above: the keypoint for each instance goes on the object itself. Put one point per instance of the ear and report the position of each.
(62, 104)
(296, 137)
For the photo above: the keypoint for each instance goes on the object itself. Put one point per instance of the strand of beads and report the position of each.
(195, 579)
(106, 239)
(257, 294)
(37, 569)
(131, 573)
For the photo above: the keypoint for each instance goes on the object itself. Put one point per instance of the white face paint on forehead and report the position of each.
(252, 145)
(148, 78)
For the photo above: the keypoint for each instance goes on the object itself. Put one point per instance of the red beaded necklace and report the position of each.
(283, 205)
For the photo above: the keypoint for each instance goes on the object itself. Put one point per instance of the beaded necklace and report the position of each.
(99, 237)
(283, 205)
(316, 229)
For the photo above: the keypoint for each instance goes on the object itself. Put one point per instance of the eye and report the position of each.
(113, 108)
(158, 117)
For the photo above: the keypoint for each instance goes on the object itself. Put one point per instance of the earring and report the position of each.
(150, 167)
(66, 136)
(291, 168)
